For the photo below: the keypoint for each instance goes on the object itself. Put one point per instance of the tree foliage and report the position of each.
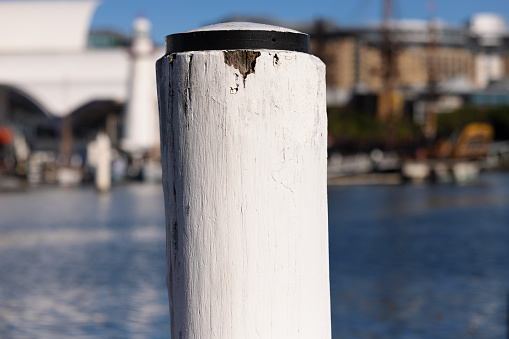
(363, 131)
(498, 117)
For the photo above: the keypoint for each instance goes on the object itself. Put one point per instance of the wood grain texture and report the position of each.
(244, 176)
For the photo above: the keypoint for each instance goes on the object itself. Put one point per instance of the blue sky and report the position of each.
(170, 16)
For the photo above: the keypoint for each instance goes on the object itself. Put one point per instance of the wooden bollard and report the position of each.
(103, 166)
(243, 142)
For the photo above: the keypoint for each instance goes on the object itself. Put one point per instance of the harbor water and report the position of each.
(428, 261)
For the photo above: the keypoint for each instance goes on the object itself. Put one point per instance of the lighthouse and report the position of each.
(141, 132)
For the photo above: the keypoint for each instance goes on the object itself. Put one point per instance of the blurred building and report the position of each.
(61, 83)
(469, 56)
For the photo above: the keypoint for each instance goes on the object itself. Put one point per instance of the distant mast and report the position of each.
(389, 65)
(389, 99)
(430, 128)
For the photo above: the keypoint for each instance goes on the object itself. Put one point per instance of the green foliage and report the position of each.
(365, 130)
(354, 125)
(359, 130)
(498, 117)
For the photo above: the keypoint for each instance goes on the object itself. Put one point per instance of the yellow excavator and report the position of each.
(472, 143)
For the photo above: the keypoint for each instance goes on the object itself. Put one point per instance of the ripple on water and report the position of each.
(405, 262)
(86, 275)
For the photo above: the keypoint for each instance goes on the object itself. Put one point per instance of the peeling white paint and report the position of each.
(245, 195)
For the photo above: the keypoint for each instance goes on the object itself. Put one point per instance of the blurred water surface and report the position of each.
(420, 261)
(75, 264)
(406, 262)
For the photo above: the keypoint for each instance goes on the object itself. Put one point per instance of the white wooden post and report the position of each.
(243, 142)
(103, 167)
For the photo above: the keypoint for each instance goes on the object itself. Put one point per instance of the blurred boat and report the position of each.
(69, 176)
(460, 158)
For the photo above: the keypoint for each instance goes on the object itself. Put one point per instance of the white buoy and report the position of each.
(243, 143)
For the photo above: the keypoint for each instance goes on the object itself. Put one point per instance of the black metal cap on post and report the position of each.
(236, 100)
(236, 36)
